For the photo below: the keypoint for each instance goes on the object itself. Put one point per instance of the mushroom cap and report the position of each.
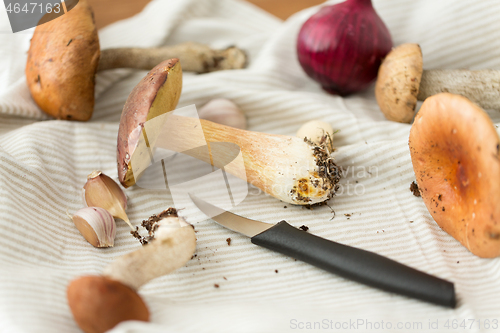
(156, 94)
(62, 62)
(454, 149)
(99, 303)
(398, 82)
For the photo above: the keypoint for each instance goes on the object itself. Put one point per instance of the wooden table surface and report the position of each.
(109, 11)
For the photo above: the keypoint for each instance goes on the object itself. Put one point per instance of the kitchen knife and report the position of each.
(352, 263)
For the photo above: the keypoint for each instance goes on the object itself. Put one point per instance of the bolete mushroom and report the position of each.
(287, 168)
(99, 303)
(64, 57)
(401, 82)
(455, 152)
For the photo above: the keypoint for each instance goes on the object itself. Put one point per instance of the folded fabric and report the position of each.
(44, 164)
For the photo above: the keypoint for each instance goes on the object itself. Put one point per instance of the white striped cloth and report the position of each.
(44, 164)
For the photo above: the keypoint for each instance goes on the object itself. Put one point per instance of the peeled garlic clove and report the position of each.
(96, 225)
(223, 111)
(102, 191)
(318, 132)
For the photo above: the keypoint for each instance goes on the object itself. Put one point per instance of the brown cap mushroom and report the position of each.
(62, 62)
(401, 82)
(99, 303)
(288, 168)
(398, 81)
(157, 93)
(455, 151)
(64, 57)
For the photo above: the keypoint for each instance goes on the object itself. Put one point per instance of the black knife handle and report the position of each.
(356, 264)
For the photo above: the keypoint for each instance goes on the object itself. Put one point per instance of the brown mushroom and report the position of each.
(287, 168)
(99, 303)
(455, 151)
(402, 81)
(64, 57)
(157, 93)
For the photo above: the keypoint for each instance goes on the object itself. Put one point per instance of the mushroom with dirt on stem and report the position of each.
(285, 167)
(455, 152)
(64, 56)
(402, 81)
(99, 303)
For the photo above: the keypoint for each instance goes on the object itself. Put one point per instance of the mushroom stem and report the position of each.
(195, 57)
(173, 246)
(481, 86)
(288, 168)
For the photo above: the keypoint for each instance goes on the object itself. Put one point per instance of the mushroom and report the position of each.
(64, 57)
(455, 152)
(285, 167)
(99, 303)
(402, 81)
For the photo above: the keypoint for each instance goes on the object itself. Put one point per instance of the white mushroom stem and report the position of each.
(173, 246)
(195, 57)
(481, 87)
(285, 167)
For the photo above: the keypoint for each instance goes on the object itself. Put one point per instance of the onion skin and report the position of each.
(342, 46)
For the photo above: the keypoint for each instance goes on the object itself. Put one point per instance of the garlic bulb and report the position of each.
(102, 191)
(96, 225)
(317, 132)
(223, 111)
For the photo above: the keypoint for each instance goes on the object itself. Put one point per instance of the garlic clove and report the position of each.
(102, 191)
(318, 132)
(96, 225)
(225, 112)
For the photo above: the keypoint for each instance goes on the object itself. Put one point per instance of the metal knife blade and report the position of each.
(349, 262)
(231, 221)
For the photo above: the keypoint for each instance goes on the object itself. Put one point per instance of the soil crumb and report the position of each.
(414, 189)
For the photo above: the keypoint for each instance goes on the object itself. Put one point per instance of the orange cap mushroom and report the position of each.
(455, 151)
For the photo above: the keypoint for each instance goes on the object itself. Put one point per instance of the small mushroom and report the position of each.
(99, 303)
(455, 152)
(285, 167)
(64, 56)
(402, 81)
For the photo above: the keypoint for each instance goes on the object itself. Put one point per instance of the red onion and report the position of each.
(342, 46)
